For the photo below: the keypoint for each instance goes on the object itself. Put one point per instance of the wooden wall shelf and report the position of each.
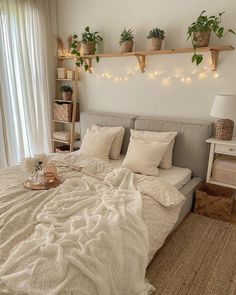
(141, 55)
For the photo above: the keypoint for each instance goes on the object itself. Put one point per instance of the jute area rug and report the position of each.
(199, 258)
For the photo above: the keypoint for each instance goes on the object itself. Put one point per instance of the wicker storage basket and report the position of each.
(224, 129)
(214, 201)
(224, 170)
(62, 111)
(203, 38)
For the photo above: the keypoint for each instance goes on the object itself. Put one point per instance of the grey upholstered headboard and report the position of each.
(190, 150)
(87, 119)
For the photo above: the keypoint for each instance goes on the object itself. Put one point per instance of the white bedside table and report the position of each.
(225, 147)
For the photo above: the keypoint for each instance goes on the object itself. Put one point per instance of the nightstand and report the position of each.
(224, 147)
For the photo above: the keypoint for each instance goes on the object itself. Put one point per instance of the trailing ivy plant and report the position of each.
(126, 35)
(156, 33)
(205, 24)
(87, 36)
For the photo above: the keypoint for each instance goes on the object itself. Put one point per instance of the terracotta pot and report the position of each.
(202, 38)
(154, 44)
(88, 47)
(66, 95)
(127, 46)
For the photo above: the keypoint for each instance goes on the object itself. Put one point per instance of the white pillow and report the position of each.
(117, 142)
(144, 156)
(97, 144)
(166, 137)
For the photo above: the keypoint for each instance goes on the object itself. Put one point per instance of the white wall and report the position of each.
(147, 93)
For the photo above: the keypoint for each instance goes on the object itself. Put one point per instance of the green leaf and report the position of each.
(194, 58)
(87, 29)
(97, 58)
(74, 51)
(220, 32)
(78, 64)
(86, 67)
(231, 31)
(199, 59)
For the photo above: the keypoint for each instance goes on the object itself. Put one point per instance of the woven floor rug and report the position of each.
(199, 258)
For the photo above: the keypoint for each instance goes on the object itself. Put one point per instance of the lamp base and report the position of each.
(224, 129)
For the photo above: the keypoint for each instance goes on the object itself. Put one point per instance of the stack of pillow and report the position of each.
(146, 152)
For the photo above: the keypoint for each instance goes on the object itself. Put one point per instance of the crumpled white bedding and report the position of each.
(85, 237)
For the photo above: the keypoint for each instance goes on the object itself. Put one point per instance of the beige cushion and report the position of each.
(117, 142)
(97, 144)
(165, 137)
(144, 156)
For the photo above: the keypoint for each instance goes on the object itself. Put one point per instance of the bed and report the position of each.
(96, 233)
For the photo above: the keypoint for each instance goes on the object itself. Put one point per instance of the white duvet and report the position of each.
(94, 234)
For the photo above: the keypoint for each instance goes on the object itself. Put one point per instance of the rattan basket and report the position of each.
(202, 38)
(88, 47)
(224, 129)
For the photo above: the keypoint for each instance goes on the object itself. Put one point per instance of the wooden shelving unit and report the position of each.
(62, 62)
(141, 55)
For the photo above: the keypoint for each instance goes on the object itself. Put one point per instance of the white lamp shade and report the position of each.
(224, 106)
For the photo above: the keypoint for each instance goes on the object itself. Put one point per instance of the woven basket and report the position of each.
(66, 95)
(127, 46)
(154, 44)
(88, 47)
(202, 38)
(63, 111)
(214, 201)
(224, 129)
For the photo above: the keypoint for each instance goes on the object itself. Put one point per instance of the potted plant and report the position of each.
(66, 92)
(155, 38)
(200, 32)
(127, 40)
(88, 43)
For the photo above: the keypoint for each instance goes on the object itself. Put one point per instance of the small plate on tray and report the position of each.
(42, 186)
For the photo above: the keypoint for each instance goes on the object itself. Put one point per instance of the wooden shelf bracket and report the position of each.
(141, 60)
(214, 59)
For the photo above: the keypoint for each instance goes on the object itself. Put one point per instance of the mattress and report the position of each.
(176, 176)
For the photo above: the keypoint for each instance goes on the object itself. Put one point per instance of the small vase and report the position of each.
(36, 177)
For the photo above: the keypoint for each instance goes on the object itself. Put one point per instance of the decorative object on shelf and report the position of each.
(200, 32)
(63, 111)
(224, 169)
(64, 135)
(60, 47)
(214, 201)
(61, 73)
(224, 106)
(34, 168)
(88, 42)
(66, 92)
(155, 38)
(127, 40)
(70, 74)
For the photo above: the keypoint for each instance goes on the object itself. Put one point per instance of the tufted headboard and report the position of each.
(190, 150)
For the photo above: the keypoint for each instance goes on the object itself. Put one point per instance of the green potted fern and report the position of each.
(155, 38)
(126, 40)
(200, 32)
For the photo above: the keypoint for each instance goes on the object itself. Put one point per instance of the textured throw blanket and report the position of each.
(85, 237)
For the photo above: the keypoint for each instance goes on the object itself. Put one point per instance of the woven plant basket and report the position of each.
(224, 129)
(202, 38)
(154, 44)
(88, 47)
(127, 46)
(66, 95)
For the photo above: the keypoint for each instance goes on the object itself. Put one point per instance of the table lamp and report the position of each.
(224, 107)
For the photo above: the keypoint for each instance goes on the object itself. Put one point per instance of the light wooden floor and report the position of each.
(198, 259)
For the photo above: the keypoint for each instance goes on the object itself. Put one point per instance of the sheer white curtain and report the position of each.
(26, 65)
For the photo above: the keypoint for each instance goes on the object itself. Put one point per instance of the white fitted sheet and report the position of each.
(176, 176)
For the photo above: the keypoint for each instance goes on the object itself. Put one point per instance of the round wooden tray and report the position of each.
(28, 184)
